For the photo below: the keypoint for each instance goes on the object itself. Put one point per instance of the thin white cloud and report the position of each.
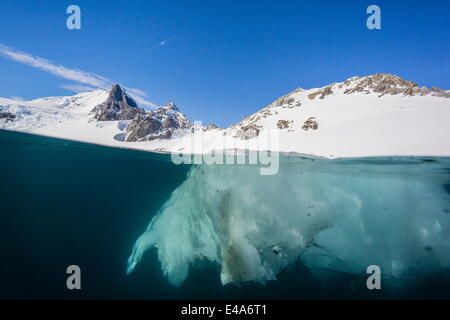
(77, 88)
(163, 43)
(57, 70)
(136, 92)
(88, 81)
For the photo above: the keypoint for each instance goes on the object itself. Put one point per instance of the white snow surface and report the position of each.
(359, 124)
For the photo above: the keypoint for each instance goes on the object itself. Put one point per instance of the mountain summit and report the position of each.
(118, 106)
(381, 83)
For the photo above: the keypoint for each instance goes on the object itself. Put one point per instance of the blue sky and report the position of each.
(222, 60)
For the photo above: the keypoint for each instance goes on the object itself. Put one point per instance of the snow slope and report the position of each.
(379, 115)
(363, 125)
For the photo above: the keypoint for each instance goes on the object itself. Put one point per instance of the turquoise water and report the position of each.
(65, 203)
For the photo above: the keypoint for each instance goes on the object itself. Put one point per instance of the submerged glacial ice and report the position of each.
(340, 215)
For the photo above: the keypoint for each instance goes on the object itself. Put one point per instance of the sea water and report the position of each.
(141, 227)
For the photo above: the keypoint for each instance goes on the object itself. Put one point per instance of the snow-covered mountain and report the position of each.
(380, 84)
(380, 114)
(104, 117)
(377, 115)
(44, 114)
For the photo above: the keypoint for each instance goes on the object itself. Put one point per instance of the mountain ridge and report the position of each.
(363, 112)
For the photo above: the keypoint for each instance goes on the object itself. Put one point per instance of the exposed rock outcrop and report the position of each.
(311, 123)
(323, 93)
(381, 83)
(210, 127)
(384, 83)
(118, 106)
(248, 132)
(158, 124)
(313, 95)
(283, 124)
(285, 100)
(440, 93)
(326, 92)
(8, 116)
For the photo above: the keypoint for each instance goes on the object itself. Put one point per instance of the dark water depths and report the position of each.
(65, 203)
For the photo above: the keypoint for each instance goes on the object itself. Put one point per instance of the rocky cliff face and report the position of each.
(158, 124)
(118, 106)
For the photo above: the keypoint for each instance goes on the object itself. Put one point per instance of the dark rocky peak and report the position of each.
(116, 92)
(120, 95)
(118, 106)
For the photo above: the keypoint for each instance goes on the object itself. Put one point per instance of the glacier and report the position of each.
(341, 215)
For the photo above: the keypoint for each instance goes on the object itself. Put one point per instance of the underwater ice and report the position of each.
(341, 215)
